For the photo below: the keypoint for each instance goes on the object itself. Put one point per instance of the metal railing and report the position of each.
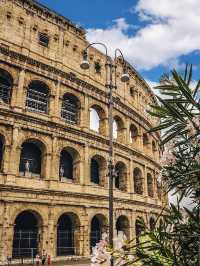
(37, 101)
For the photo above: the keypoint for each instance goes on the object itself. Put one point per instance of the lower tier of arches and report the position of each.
(26, 229)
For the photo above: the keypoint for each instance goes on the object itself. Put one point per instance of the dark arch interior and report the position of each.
(94, 171)
(133, 132)
(65, 236)
(1, 152)
(66, 165)
(150, 185)
(122, 225)
(96, 231)
(145, 139)
(26, 238)
(119, 176)
(138, 228)
(70, 108)
(138, 187)
(37, 96)
(152, 223)
(6, 83)
(30, 156)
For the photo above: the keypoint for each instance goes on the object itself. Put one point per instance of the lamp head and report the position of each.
(85, 63)
(125, 76)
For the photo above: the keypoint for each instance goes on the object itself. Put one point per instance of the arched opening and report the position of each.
(154, 148)
(152, 223)
(26, 235)
(37, 97)
(120, 176)
(122, 226)
(145, 140)
(133, 134)
(150, 185)
(70, 108)
(138, 181)
(97, 119)
(69, 164)
(2, 141)
(31, 158)
(98, 227)
(139, 227)
(97, 170)
(118, 128)
(68, 233)
(6, 84)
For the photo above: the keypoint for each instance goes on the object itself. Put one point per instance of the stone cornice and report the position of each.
(71, 77)
(72, 130)
(48, 14)
(15, 189)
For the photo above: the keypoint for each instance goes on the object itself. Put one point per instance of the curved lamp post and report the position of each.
(110, 64)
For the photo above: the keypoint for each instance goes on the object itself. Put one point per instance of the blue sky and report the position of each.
(155, 36)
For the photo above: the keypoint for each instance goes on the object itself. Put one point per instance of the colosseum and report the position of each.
(54, 140)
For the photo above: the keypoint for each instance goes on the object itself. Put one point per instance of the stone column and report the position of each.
(7, 235)
(145, 181)
(56, 103)
(46, 171)
(18, 100)
(86, 234)
(86, 165)
(55, 159)
(51, 233)
(85, 114)
(131, 183)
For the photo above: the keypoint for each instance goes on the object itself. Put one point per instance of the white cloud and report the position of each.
(172, 30)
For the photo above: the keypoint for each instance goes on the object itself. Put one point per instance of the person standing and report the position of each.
(44, 256)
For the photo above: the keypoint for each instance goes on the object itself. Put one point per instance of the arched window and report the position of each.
(133, 134)
(120, 176)
(152, 223)
(97, 169)
(145, 139)
(26, 235)
(6, 83)
(139, 227)
(94, 171)
(97, 119)
(118, 127)
(154, 149)
(1, 151)
(68, 235)
(150, 185)
(30, 159)
(138, 181)
(122, 226)
(69, 164)
(70, 109)
(37, 97)
(98, 227)
(66, 165)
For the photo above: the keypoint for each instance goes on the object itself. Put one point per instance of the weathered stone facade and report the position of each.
(38, 185)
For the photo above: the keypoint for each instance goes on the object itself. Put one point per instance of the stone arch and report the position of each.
(121, 176)
(70, 110)
(139, 227)
(6, 86)
(152, 223)
(150, 185)
(27, 234)
(133, 134)
(98, 226)
(32, 158)
(138, 181)
(98, 119)
(98, 169)
(2, 147)
(68, 234)
(37, 99)
(118, 128)
(69, 164)
(123, 225)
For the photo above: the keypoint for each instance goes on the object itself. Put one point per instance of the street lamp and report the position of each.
(110, 65)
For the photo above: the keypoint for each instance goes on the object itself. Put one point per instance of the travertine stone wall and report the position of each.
(57, 65)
